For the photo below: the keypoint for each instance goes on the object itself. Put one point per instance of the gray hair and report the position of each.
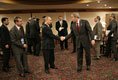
(75, 14)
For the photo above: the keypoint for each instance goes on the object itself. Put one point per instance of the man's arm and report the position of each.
(89, 30)
(14, 41)
(49, 33)
(114, 25)
(90, 33)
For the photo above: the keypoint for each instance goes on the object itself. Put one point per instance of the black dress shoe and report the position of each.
(114, 59)
(73, 51)
(47, 71)
(96, 59)
(67, 49)
(88, 68)
(27, 72)
(22, 75)
(54, 67)
(6, 70)
(62, 49)
(79, 69)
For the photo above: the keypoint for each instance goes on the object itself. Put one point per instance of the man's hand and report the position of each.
(92, 42)
(7, 46)
(25, 45)
(61, 28)
(62, 38)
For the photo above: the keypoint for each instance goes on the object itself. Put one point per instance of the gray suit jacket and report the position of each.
(84, 36)
(97, 30)
(17, 46)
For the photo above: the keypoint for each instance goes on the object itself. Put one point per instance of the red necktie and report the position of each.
(77, 27)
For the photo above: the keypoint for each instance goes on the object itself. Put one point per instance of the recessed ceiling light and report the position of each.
(105, 5)
(110, 7)
(98, 1)
(87, 5)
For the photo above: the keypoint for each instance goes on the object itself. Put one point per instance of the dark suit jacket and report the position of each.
(113, 29)
(16, 39)
(27, 30)
(84, 35)
(63, 32)
(49, 25)
(48, 38)
(34, 29)
(5, 36)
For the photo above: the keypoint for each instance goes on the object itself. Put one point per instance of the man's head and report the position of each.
(5, 20)
(18, 21)
(60, 18)
(112, 16)
(75, 16)
(48, 20)
(43, 18)
(97, 18)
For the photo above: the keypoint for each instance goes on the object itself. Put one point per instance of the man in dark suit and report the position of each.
(35, 36)
(97, 31)
(5, 44)
(61, 27)
(48, 45)
(82, 30)
(112, 37)
(29, 50)
(18, 46)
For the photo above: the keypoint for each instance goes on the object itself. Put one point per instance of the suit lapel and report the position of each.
(75, 27)
(16, 30)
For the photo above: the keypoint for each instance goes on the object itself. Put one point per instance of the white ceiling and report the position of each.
(109, 3)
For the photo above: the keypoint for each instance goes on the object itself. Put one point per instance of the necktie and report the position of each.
(77, 27)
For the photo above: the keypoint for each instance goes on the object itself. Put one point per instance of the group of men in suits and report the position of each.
(15, 41)
(80, 29)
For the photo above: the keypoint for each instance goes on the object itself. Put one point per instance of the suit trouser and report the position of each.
(66, 44)
(113, 48)
(97, 48)
(36, 46)
(80, 55)
(29, 49)
(108, 46)
(6, 57)
(21, 61)
(74, 43)
(48, 58)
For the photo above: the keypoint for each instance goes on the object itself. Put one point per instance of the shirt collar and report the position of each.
(18, 27)
(78, 21)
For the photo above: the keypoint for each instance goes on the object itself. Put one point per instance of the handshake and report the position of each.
(62, 38)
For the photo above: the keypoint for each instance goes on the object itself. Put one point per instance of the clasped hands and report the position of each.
(62, 38)
(61, 28)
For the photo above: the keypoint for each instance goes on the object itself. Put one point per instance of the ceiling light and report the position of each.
(87, 5)
(105, 5)
(98, 1)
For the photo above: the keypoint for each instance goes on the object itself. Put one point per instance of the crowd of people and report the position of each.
(19, 42)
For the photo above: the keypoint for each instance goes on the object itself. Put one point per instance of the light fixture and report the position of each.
(110, 7)
(105, 5)
(98, 1)
(87, 5)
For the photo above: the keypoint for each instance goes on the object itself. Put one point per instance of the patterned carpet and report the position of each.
(66, 62)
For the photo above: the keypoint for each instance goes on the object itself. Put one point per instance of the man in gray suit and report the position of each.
(82, 30)
(18, 46)
(97, 31)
